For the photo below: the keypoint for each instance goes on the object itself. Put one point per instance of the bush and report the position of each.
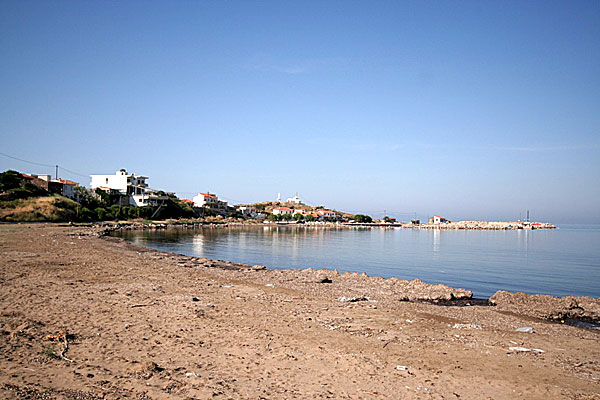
(101, 213)
(10, 180)
(85, 214)
(145, 212)
(132, 212)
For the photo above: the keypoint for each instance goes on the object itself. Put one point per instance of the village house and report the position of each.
(68, 188)
(436, 220)
(282, 211)
(246, 211)
(250, 212)
(211, 201)
(327, 214)
(131, 186)
(59, 186)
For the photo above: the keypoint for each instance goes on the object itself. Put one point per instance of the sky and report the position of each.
(469, 110)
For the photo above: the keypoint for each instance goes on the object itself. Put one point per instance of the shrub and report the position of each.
(101, 213)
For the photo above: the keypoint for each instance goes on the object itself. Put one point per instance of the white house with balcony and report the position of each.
(127, 185)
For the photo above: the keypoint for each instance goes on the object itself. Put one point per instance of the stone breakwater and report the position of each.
(484, 225)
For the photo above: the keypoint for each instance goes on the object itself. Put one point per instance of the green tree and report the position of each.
(10, 180)
(298, 217)
(360, 218)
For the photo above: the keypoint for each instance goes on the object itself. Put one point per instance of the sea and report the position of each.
(558, 262)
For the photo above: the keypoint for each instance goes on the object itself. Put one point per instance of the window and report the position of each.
(107, 181)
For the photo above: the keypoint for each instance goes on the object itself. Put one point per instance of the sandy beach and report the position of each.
(91, 317)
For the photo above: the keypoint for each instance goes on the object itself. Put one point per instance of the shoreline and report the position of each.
(554, 308)
(556, 288)
(149, 324)
(191, 224)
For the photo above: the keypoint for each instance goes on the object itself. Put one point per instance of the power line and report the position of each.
(30, 162)
(44, 165)
(73, 172)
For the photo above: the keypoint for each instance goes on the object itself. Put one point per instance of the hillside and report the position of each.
(268, 206)
(42, 209)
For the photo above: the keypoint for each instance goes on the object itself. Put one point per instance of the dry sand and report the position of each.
(142, 324)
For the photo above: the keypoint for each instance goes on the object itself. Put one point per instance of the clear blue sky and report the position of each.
(471, 110)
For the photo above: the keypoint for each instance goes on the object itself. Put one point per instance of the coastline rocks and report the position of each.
(392, 289)
(417, 290)
(582, 308)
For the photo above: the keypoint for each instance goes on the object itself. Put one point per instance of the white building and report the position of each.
(68, 188)
(328, 214)
(247, 211)
(283, 211)
(131, 185)
(209, 200)
(295, 199)
(436, 220)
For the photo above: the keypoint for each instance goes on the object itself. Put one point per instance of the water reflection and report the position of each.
(553, 262)
(436, 240)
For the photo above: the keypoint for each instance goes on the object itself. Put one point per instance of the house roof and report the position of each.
(187, 201)
(212, 196)
(68, 182)
(283, 209)
(326, 212)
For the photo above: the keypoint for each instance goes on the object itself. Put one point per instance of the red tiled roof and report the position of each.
(212, 196)
(67, 182)
(187, 201)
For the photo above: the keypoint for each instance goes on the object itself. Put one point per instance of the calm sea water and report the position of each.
(557, 262)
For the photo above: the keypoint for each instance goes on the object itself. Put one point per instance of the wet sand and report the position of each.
(143, 324)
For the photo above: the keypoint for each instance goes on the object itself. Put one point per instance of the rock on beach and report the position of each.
(583, 308)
